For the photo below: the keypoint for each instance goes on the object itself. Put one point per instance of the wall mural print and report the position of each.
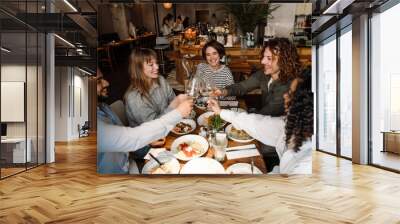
(198, 89)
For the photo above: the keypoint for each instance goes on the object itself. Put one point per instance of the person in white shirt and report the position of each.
(178, 26)
(290, 134)
(168, 24)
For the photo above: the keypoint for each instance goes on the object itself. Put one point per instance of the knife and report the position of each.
(158, 161)
(235, 150)
(241, 147)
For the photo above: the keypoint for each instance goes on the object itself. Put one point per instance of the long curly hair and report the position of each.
(288, 58)
(300, 117)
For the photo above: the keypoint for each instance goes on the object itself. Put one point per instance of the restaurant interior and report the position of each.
(52, 51)
(179, 54)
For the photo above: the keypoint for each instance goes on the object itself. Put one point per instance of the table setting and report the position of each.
(206, 144)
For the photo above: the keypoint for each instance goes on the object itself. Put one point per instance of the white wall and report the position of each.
(284, 17)
(33, 127)
(70, 84)
(61, 103)
(12, 73)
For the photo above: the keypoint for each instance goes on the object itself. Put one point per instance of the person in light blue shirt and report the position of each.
(115, 141)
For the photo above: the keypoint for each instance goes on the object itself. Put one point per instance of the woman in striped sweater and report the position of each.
(213, 70)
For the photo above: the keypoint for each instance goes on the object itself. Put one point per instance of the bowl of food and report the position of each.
(211, 121)
(184, 127)
(203, 165)
(169, 165)
(237, 135)
(201, 103)
(188, 147)
(242, 168)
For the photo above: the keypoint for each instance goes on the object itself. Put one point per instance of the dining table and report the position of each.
(258, 160)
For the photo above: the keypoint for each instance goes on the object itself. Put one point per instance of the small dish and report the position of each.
(184, 127)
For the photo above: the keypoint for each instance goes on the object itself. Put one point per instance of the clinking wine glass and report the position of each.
(193, 87)
(207, 89)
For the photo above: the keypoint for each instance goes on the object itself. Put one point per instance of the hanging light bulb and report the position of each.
(167, 5)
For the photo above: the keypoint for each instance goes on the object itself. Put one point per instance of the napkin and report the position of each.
(154, 152)
(242, 153)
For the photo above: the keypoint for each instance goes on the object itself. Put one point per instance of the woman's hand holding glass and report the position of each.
(218, 92)
(177, 100)
(185, 107)
(214, 106)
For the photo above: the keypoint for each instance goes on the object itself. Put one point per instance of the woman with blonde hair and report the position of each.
(149, 95)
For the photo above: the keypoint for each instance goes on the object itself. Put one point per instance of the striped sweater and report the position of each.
(222, 77)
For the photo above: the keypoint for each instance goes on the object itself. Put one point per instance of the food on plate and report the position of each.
(190, 149)
(182, 128)
(239, 134)
(166, 168)
(215, 122)
(201, 104)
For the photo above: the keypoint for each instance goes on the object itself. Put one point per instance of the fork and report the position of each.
(158, 161)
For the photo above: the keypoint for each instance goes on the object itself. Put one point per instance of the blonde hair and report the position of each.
(139, 81)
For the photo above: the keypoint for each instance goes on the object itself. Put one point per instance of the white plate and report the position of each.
(238, 109)
(189, 139)
(203, 165)
(202, 119)
(242, 168)
(164, 157)
(190, 122)
(228, 133)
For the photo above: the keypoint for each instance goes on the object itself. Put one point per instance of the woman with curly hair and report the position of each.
(289, 135)
(281, 66)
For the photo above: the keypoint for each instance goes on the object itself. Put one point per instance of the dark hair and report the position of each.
(216, 45)
(168, 17)
(288, 59)
(185, 22)
(136, 62)
(300, 117)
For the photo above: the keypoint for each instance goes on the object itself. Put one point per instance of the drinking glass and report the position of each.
(193, 87)
(219, 142)
(207, 89)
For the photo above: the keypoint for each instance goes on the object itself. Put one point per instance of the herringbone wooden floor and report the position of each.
(70, 191)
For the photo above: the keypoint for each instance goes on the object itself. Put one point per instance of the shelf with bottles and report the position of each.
(301, 34)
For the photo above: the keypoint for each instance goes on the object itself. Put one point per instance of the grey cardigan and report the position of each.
(139, 109)
(271, 99)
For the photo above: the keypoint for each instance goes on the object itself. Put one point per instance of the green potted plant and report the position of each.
(248, 16)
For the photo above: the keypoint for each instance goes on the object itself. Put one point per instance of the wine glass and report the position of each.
(207, 89)
(193, 87)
